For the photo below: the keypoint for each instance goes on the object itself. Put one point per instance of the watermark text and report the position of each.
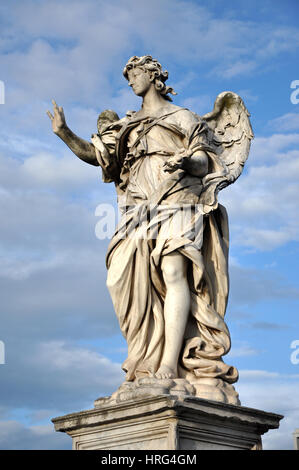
(2, 92)
(295, 94)
(2, 352)
(150, 221)
(295, 354)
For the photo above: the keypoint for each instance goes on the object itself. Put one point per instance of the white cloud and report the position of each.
(280, 40)
(17, 269)
(81, 55)
(251, 285)
(248, 96)
(240, 68)
(82, 49)
(47, 170)
(11, 142)
(57, 372)
(287, 122)
(268, 326)
(264, 374)
(60, 358)
(200, 104)
(274, 393)
(268, 150)
(44, 170)
(241, 350)
(49, 252)
(16, 436)
(262, 204)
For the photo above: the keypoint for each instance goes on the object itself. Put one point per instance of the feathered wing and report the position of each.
(229, 135)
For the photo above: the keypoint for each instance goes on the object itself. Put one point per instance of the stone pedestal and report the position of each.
(167, 422)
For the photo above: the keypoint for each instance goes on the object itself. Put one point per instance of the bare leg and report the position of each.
(176, 310)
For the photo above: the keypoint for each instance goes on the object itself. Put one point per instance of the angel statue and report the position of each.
(168, 282)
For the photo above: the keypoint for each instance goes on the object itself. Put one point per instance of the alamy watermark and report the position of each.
(150, 221)
(295, 94)
(295, 354)
(2, 352)
(2, 92)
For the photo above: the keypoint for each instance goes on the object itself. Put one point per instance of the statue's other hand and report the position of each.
(174, 163)
(58, 120)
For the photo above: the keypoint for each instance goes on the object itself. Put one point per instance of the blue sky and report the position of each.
(62, 342)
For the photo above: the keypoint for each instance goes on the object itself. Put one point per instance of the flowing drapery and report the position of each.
(153, 200)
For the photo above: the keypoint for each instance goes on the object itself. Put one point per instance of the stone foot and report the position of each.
(165, 372)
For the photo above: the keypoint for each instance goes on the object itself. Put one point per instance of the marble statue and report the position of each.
(169, 285)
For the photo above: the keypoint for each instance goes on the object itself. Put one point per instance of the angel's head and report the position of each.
(143, 71)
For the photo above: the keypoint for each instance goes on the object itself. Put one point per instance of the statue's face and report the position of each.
(139, 80)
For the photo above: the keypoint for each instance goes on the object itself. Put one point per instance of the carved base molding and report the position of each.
(166, 422)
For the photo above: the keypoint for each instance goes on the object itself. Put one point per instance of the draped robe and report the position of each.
(152, 201)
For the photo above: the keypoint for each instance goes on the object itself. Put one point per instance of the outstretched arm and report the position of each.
(80, 147)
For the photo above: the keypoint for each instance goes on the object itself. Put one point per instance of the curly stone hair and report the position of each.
(148, 64)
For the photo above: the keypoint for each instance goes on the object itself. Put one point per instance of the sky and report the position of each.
(62, 344)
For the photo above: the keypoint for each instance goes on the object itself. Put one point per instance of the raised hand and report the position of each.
(58, 120)
(80, 147)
